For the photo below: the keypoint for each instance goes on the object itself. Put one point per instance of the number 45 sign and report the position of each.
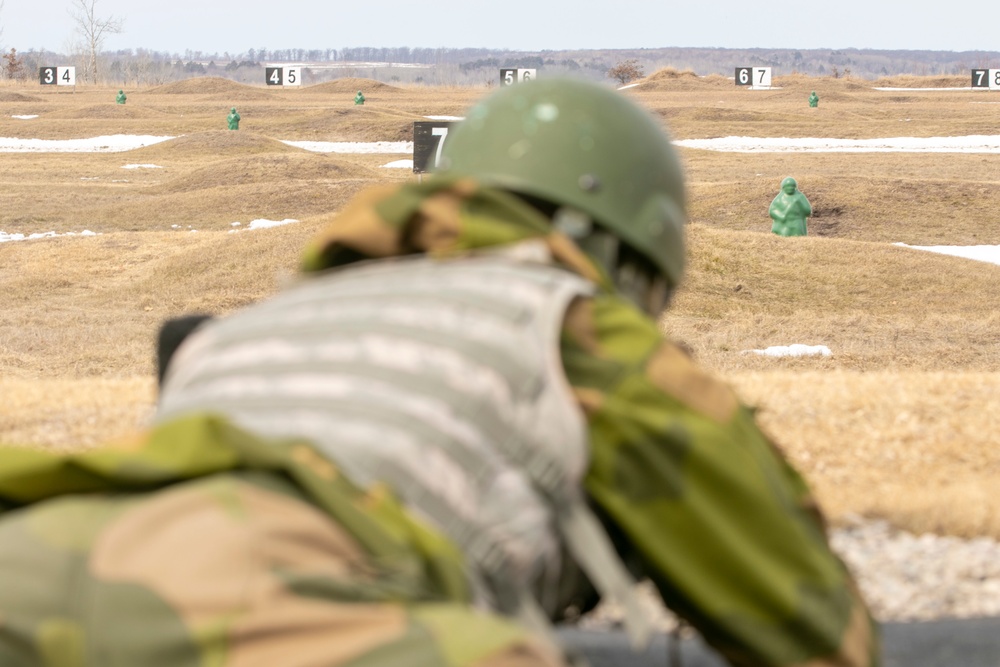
(986, 78)
(57, 76)
(757, 77)
(509, 76)
(283, 76)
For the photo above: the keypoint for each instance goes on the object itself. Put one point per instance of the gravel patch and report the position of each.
(907, 577)
(904, 577)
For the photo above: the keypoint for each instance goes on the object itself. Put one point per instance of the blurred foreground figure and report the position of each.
(461, 425)
(789, 210)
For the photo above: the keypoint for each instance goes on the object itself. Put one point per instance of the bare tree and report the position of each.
(93, 30)
(626, 70)
(13, 66)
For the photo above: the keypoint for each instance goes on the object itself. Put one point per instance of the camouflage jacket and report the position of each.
(716, 517)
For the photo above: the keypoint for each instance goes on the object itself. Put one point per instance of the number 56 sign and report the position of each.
(758, 77)
(509, 76)
(57, 76)
(986, 78)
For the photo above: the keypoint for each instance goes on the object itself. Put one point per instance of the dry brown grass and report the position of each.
(876, 306)
(74, 414)
(900, 422)
(917, 448)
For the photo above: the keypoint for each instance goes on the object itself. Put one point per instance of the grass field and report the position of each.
(900, 422)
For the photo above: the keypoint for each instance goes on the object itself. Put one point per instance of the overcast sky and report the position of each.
(526, 25)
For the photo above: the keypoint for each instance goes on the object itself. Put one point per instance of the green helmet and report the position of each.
(582, 146)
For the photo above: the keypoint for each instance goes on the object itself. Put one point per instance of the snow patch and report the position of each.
(794, 350)
(261, 223)
(921, 90)
(26, 117)
(5, 237)
(353, 146)
(445, 117)
(115, 143)
(141, 166)
(399, 164)
(980, 253)
(967, 144)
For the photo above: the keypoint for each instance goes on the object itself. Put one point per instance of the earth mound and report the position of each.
(909, 81)
(284, 168)
(11, 96)
(109, 111)
(670, 79)
(215, 143)
(352, 85)
(212, 85)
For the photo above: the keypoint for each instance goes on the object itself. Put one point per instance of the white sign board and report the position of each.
(986, 78)
(510, 75)
(755, 77)
(57, 76)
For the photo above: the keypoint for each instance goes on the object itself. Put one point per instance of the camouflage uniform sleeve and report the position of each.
(722, 524)
(198, 544)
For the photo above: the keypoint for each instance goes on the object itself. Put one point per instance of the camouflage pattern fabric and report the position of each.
(201, 545)
(686, 481)
(725, 527)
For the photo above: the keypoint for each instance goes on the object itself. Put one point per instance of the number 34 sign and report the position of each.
(758, 77)
(986, 78)
(57, 76)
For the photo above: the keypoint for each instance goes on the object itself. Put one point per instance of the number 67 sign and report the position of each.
(757, 77)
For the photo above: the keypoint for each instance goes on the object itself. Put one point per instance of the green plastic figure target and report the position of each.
(789, 210)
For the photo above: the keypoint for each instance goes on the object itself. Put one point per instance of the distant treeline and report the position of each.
(477, 66)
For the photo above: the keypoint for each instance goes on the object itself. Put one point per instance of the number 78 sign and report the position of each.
(986, 78)
(758, 77)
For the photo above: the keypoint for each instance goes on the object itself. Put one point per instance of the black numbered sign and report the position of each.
(283, 76)
(57, 76)
(428, 140)
(274, 76)
(510, 76)
(986, 78)
(757, 77)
